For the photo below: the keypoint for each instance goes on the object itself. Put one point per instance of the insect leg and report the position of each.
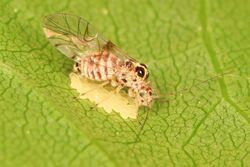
(114, 82)
(137, 138)
(131, 93)
(118, 89)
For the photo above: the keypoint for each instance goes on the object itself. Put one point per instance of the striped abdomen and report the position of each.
(99, 66)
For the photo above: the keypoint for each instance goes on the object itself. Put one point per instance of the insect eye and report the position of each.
(140, 71)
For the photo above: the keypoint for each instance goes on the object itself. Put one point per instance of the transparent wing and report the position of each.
(75, 37)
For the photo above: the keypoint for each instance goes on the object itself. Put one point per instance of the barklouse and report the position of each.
(97, 58)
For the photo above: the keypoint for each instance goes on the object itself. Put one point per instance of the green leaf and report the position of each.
(181, 41)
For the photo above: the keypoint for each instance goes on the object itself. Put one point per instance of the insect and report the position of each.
(97, 58)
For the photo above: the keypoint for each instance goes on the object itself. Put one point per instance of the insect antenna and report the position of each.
(163, 98)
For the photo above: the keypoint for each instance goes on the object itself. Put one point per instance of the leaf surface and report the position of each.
(183, 42)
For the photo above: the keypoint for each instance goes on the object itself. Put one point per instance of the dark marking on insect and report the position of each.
(124, 80)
